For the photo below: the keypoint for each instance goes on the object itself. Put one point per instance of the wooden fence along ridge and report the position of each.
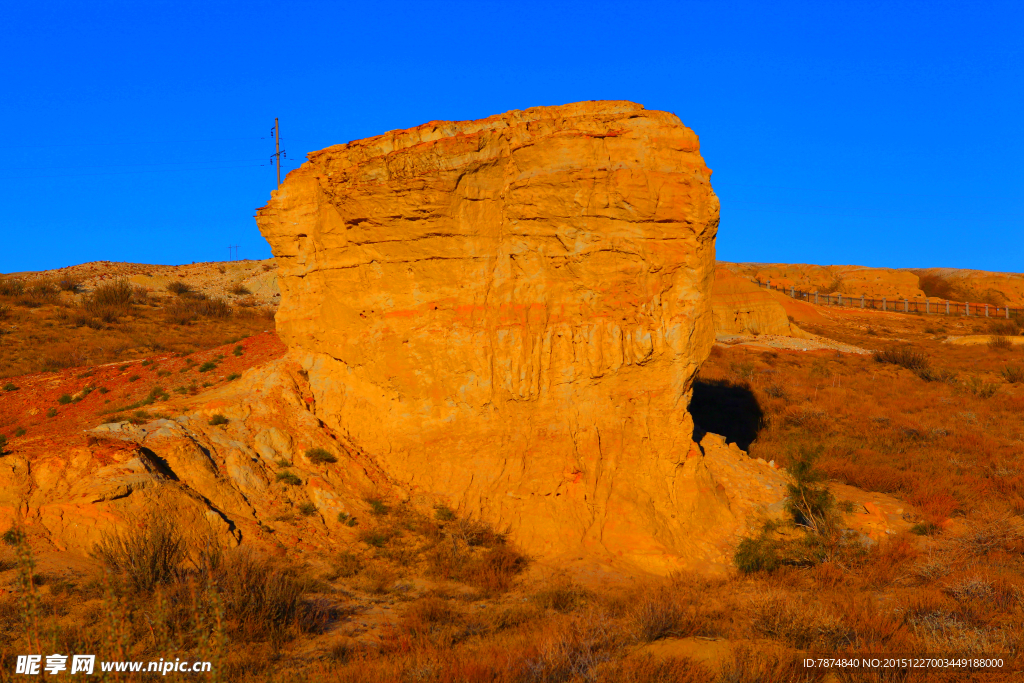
(899, 305)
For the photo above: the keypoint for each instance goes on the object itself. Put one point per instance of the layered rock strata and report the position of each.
(508, 315)
(504, 316)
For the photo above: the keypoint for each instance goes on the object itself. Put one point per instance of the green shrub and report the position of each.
(374, 538)
(218, 419)
(146, 362)
(377, 507)
(3, 443)
(207, 366)
(925, 529)
(239, 350)
(13, 536)
(103, 390)
(758, 554)
(10, 387)
(64, 400)
(20, 431)
(443, 513)
(810, 502)
(134, 378)
(52, 412)
(319, 456)
(307, 509)
(289, 478)
(345, 519)
(233, 376)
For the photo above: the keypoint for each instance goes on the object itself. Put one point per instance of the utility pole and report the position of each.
(235, 247)
(276, 132)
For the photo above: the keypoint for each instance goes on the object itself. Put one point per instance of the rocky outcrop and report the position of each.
(504, 316)
(740, 307)
(873, 283)
(507, 315)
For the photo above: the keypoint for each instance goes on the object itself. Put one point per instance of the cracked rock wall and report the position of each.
(507, 315)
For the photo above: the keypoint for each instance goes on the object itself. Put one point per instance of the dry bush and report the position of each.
(798, 623)
(1000, 343)
(905, 356)
(140, 294)
(429, 622)
(69, 283)
(179, 288)
(672, 611)
(263, 601)
(238, 289)
(1007, 328)
(1014, 374)
(44, 291)
(62, 356)
(187, 309)
(11, 287)
(117, 293)
(987, 532)
(573, 650)
(564, 597)
(5, 310)
(149, 553)
(888, 561)
(759, 665)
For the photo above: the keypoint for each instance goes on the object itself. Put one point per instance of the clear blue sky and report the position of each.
(875, 133)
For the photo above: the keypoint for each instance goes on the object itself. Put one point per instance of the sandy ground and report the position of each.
(771, 341)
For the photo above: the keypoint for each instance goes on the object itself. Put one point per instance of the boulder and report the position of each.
(504, 316)
(507, 316)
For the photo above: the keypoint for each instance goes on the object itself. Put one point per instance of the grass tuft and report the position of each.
(319, 456)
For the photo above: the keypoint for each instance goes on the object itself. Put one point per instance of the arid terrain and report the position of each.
(491, 451)
(933, 467)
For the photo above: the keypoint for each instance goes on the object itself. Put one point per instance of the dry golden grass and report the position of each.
(428, 596)
(47, 330)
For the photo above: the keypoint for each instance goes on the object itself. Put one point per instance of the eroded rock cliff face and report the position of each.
(508, 314)
(739, 306)
(504, 316)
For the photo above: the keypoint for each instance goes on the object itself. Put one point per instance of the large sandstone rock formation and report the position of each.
(504, 316)
(507, 314)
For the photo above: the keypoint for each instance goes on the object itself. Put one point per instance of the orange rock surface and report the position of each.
(739, 306)
(507, 315)
(504, 316)
(893, 283)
